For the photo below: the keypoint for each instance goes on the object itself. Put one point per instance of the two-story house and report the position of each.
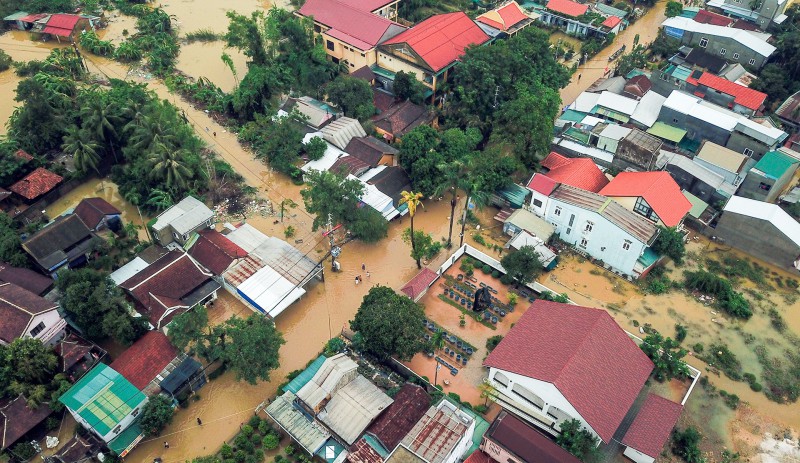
(577, 172)
(179, 222)
(653, 195)
(561, 362)
(768, 179)
(762, 13)
(27, 315)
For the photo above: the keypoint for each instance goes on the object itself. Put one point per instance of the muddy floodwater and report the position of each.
(193, 15)
(204, 59)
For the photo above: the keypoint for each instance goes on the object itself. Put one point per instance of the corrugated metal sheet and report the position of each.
(270, 292)
(353, 407)
(300, 380)
(438, 432)
(303, 430)
(334, 374)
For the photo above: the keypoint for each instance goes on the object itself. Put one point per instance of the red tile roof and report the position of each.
(707, 17)
(653, 425)
(35, 184)
(61, 24)
(526, 442)
(578, 172)
(92, 210)
(505, 17)
(419, 283)
(637, 86)
(479, 457)
(367, 5)
(32, 18)
(611, 22)
(16, 419)
(542, 183)
(410, 403)
(349, 24)
(584, 353)
(657, 188)
(744, 96)
(145, 359)
(22, 154)
(215, 251)
(441, 39)
(744, 25)
(567, 7)
(18, 307)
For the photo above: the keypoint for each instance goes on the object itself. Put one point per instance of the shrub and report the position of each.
(659, 285)
(507, 280)
(495, 274)
(680, 332)
(226, 451)
(264, 428)
(24, 451)
(685, 444)
(256, 440)
(333, 347)
(456, 398)
(492, 342)
(289, 449)
(247, 430)
(486, 269)
(698, 348)
(756, 386)
(243, 443)
(731, 400)
(721, 357)
(254, 421)
(5, 61)
(482, 409)
(271, 442)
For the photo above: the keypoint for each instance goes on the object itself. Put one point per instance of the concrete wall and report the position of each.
(693, 185)
(395, 64)
(739, 141)
(665, 87)
(696, 129)
(732, 47)
(342, 51)
(748, 234)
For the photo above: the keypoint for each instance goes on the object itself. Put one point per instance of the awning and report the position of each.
(572, 116)
(16, 16)
(126, 440)
(617, 116)
(180, 375)
(667, 132)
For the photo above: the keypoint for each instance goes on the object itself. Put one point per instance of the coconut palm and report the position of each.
(167, 165)
(477, 194)
(82, 147)
(437, 340)
(160, 199)
(412, 200)
(103, 118)
(150, 131)
(452, 175)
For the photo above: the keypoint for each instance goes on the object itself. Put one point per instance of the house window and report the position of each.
(588, 227)
(584, 243)
(117, 429)
(329, 44)
(352, 65)
(703, 42)
(557, 211)
(765, 186)
(362, 55)
(135, 412)
(674, 121)
(571, 220)
(501, 379)
(751, 62)
(626, 245)
(735, 56)
(722, 51)
(527, 396)
(537, 202)
(748, 152)
(37, 329)
(569, 230)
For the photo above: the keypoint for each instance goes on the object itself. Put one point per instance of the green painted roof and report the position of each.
(126, 440)
(618, 116)
(667, 132)
(514, 194)
(300, 380)
(15, 16)
(330, 451)
(572, 116)
(577, 134)
(481, 426)
(774, 164)
(698, 205)
(376, 445)
(103, 398)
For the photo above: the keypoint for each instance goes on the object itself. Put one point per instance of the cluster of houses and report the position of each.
(27, 186)
(60, 26)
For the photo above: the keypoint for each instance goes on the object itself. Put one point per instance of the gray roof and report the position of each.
(184, 217)
(128, 270)
(353, 407)
(335, 373)
(49, 245)
(629, 221)
(342, 130)
(529, 222)
(701, 173)
(304, 431)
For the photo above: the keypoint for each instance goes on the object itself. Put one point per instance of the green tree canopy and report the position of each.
(389, 324)
(577, 440)
(686, 444)
(188, 327)
(279, 141)
(353, 96)
(30, 368)
(407, 87)
(523, 265)
(156, 415)
(526, 122)
(10, 243)
(673, 9)
(667, 355)
(670, 243)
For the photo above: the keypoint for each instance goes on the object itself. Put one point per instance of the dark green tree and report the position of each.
(673, 9)
(526, 122)
(156, 415)
(279, 141)
(523, 265)
(577, 440)
(10, 244)
(389, 324)
(353, 96)
(667, 356)
(315, 148)
(670, 243)
(686, 444)
(188, 327)
(425, 247)
(420, 158)
(664, 45)
(407, 87)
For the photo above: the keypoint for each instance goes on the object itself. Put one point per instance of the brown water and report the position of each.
(647, 28)
(203, 59)
(192, 15)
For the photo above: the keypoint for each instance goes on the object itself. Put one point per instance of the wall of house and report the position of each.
(54, 327)
(739, 142)
(693, 185)
(539, 203)
(552, 400)
(747, 234)
(637, 456)
(732, 48)
(635, 155)
(466, 440)
(498, 452)
(604, 242)
(356, 58)
(752, 187)
(395, 64)
(730, 177)
(664, 84)
(696, 129)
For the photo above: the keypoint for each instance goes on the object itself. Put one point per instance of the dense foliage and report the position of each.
(156, 415)
(522, 265)
(670, 243)
(667, 356)
(407, 87)
(10, 244)
(277, 140)
(781, 76)
(30, 368)
(730, 301)
(389, 324)
(686, 444)
(577, 440)
(353, 96)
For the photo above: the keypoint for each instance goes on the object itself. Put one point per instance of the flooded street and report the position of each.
(647, 27)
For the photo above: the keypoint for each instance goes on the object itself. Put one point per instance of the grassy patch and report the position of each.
(202, 35)
(781, 376)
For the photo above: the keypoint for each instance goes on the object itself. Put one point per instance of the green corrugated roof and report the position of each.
(15, 16)
(579, 135)
(481, 426)
(681, 73)
(514, 194)
(103, 398)
(376, 445)
(667, 132)
(698, 205)
(610, 10)
(612, 114)
(304, 377)
(126, 440)
(775, 163)
(572, 116)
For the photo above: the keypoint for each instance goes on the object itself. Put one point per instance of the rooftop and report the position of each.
(145, 359)
(705, 60)
(437, 433)
(774, 164)
(335, 372)
(657, 188)
(578, 172)
(341, 131)
(61, 24)
(402, 118)
(350, 22)
(25, 278)
(531, 223)
(185, 216)
(707, 17)
(790, 109)
(65, 238)
(584, 353)
(567, 7)
(771, 213)
(16, 419)
(215, 252)
(745, 38)
(441, 39)
(419, 283)
(722, 157)
(505, 17)
(92, 210)
(653, 425)
(103, 398)
(744, 96)
(369, 149)
(526, 442)
(35, 184)
(353, 407)
(611, 22)
(410, 403)
(310, 435)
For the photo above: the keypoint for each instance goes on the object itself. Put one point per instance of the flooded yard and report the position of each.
(204, 59)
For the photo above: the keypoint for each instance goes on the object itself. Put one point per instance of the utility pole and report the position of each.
(496, 93)
(335, 250)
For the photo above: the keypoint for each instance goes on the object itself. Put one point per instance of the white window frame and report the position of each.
(748, 152)
(722, 51)
(584, 242)
(626, 245)
(752, 62)
(557, 211)
(701, 44)
(735, 56)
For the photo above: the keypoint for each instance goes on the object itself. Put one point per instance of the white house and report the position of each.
(181, 220)
(561, 362)
(603, 229)
(24, 314)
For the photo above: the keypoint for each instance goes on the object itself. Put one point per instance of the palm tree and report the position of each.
(473, 187)
(412, 200)
(160, 199)
(452, 176)
(150, 131)
(103, 118)
(82, 147)
(167, 165)
(437, 340)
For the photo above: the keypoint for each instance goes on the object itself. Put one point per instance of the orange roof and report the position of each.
(611, 22)
(35, 184)
(441, 39)
(657, 188)
(503, 18)
(744, 96)
(581, 173)
(567, 7)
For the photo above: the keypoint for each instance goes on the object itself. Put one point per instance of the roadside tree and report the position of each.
(156, 415)
(389, 324)
(412, 201)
